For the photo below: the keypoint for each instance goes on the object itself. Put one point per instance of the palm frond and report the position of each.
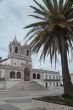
(37, 17)
(36, 24)
(61, 2)
(67, 6)
(54, 31)
(38, 11)
(55, 3)
(40, 6)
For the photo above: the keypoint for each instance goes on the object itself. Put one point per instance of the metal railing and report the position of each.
(51, 79)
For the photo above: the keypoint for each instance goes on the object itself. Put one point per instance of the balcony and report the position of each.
(52, 80)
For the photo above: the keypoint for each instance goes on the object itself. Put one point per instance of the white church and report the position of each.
(17, 73)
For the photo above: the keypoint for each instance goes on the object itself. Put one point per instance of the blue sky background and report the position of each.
(13, 17)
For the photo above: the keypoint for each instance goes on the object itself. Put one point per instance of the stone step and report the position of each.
(28, 86)
(22, 86)
(36, 86)
(13, 94)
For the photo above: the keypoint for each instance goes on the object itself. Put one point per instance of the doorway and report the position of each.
(46, 85)
(26, 74)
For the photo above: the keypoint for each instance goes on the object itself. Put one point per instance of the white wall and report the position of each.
(2, 73)
(61, 80)
(41, 82)
(2, 85)
(7, 62)
(71, 78)
(17, 62)
(14, 62)
(52, 76)
(10, 83)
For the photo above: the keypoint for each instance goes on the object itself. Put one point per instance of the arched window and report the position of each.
(34, 76)
(27, 53)
(12, 74)
(38, 76)
(16, 49)
(18, 75)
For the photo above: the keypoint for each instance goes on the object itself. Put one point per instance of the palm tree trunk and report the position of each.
(68, 88)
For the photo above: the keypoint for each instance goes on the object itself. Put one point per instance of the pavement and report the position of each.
(22, 100)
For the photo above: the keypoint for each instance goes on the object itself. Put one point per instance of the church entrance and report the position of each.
(26, 74)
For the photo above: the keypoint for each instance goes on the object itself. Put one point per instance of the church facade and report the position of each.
(18, 66)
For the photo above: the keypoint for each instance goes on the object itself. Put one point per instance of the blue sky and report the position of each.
(13, 17)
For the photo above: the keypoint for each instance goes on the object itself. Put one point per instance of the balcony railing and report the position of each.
(51, 79)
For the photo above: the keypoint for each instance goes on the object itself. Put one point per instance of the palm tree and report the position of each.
(53, 33)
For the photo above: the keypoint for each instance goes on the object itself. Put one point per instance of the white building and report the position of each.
(16, 70)
(71, 75)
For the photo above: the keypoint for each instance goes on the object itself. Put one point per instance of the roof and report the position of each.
(47, 71)
(4, 60)
(15, 42)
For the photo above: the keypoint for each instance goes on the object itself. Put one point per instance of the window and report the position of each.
(14, 63)
(16, 49)
(57, 84)
(34, 76)
(57, 77)
(38, 76)
(12, 74)
(53, 77)
(27, 52)
(50, 77)
(10, 49)
(46, 85)
(46, 76)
